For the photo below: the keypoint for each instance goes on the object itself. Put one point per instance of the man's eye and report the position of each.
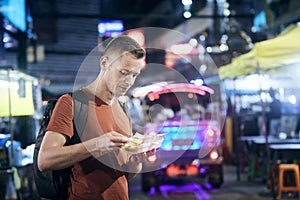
(123, 72)
(126, 73)
(134, 75)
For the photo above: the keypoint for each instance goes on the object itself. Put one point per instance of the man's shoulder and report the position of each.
(65, 100)
(66, 97)
(78, 94)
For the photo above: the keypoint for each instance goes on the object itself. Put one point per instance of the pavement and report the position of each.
(232, 189)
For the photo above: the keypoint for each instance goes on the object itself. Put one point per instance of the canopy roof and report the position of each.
(266, 55)
(16, 91)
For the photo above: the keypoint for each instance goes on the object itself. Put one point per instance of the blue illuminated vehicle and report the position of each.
(191, 148)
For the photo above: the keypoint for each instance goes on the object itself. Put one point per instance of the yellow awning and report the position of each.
(240, 66)
(266, 55)
(16, 93)
(279, 51)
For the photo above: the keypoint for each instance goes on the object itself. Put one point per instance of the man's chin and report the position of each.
(120, 93)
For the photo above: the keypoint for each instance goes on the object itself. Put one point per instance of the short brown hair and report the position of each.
(122, 44)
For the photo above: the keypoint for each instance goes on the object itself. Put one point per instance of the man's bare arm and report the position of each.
(54, 155)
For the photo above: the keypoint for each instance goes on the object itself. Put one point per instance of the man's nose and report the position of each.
(129, 79)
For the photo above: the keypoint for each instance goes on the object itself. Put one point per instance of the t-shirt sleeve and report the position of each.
(62, 117)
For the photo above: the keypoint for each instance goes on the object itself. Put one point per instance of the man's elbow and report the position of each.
(41, 167)
(42, 164)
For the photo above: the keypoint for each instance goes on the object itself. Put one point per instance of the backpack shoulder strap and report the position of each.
(80, 106)
(125, 109)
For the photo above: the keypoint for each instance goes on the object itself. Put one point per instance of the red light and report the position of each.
(173, 170)
(191, 170)
(190, 95)
(151, 97)
(214, 155)
(169, 63)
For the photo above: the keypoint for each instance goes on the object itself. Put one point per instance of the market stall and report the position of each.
(275, 53)
(271, 64)
(16, 93)
(20, 103)
(274, 62)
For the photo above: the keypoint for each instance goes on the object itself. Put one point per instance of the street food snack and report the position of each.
(143, 143)
(133, 143)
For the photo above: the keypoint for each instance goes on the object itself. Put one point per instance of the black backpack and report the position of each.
(54, 184)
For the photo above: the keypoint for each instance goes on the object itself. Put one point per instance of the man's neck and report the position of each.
(106, 96)
(108, 101)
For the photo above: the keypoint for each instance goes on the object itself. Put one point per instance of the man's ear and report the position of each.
(104, 62)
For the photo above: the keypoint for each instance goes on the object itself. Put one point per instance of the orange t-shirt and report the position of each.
(91, 179)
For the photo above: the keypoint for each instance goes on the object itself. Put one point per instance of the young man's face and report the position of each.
(122, 73)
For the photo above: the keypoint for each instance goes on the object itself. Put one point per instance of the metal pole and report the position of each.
(2, 47)
(236, 133)
(10, 121)
(269, 164)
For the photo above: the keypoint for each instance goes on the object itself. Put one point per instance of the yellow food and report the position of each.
(136, 142)
(133, 142)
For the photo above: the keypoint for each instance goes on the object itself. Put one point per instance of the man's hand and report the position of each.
(106, 143)
(140, 157)
(134, 164)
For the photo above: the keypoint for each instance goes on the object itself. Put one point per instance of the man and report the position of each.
(106, 130)
(274, 115)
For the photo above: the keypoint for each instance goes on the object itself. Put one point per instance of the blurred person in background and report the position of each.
(274, 114)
